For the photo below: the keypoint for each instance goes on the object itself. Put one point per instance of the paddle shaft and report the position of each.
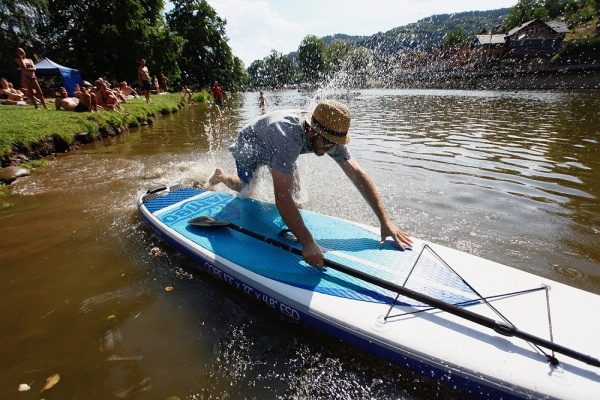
(497, 326)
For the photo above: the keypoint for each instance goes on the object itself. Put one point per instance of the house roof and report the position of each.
(491, 39)
(556, 26)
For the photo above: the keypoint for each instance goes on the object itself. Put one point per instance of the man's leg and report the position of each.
(87, 100)
(93, 102)
(231, 181)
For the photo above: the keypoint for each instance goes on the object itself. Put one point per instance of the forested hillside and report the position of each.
(428, 33)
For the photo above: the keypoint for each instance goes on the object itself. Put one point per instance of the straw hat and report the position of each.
(331, 119)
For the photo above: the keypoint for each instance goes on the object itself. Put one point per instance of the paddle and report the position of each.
(499, 327)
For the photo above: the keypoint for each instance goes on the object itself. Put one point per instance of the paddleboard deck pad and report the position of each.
(397, 328)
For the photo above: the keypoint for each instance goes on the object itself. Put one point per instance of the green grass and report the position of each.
(22, 128)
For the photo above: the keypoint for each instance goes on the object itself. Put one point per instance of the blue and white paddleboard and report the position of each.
(483, 360)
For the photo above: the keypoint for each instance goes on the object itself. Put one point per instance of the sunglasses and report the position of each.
(327, 143)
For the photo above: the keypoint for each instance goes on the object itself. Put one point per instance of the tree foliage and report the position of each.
(273, 71)
(311, 56)
(359, 66)
(455, 37)
(525, 10)
(18, 23)
(335, 54)
(108, 38)
(571, 11)
(206, 56)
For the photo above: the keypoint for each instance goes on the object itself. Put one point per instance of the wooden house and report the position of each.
(531, 39)
(490, 47)
(535, 39)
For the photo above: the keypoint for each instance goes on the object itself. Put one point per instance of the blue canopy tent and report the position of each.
(69, 76)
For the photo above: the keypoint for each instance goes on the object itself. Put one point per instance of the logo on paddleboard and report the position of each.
(207, 205)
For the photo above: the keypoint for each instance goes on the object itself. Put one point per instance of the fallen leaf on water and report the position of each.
(51, 381)
(155, 252)
(23, 387)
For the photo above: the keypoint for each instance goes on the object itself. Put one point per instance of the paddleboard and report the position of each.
(442, 345)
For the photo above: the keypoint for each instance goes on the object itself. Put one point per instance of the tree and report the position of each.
(256, 73)
(107, 38)
(273, 71)
(206, 56)
(18, 28)
(359, 67)
(335, 54)
(525, 10)
(454, 38)
(278, 71)
(311, 54)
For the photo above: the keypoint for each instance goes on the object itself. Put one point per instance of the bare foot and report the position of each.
(216, 178)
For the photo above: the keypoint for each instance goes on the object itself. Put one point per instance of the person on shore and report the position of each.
(77, 91)
(127, 90)
(217, 92)
(88, 97)
(11, 95)
(144, 78)
(163, 81)
(187, 92)
(155, 84)
(84, 104)
(277, 139)
(28, 78)
(106, 99)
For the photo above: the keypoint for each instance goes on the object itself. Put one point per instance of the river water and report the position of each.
(89, 293)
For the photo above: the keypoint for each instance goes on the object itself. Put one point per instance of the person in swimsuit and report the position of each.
(28, 78)
(106, 98)
(262, 102)
(144, 78)
(71, 104)
(9, 95)
(127, 90)
(10, 92)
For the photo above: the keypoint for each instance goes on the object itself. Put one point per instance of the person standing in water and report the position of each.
(262, 102)
(217, 92)
(28, 78)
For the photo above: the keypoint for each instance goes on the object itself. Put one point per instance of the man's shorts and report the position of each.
(81, 107)
(245, 172)
(146, 85)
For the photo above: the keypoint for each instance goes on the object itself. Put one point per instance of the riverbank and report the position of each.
(526, 77)
(28, 134)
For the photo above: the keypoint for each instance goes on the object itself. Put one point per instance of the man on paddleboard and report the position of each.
(277, 139)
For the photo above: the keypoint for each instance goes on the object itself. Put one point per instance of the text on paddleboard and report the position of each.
(257, 294)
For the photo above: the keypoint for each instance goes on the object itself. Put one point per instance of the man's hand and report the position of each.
(313, 255)
(402, 239)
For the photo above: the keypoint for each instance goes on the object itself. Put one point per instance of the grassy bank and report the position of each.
(36, 133)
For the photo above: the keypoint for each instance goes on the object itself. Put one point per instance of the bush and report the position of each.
(580, 51)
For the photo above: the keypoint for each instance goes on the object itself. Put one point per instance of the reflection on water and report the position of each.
(510, 176)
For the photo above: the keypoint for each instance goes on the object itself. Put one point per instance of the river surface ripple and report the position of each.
(509, 176)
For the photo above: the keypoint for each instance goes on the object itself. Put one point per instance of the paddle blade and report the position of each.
(207, 221)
